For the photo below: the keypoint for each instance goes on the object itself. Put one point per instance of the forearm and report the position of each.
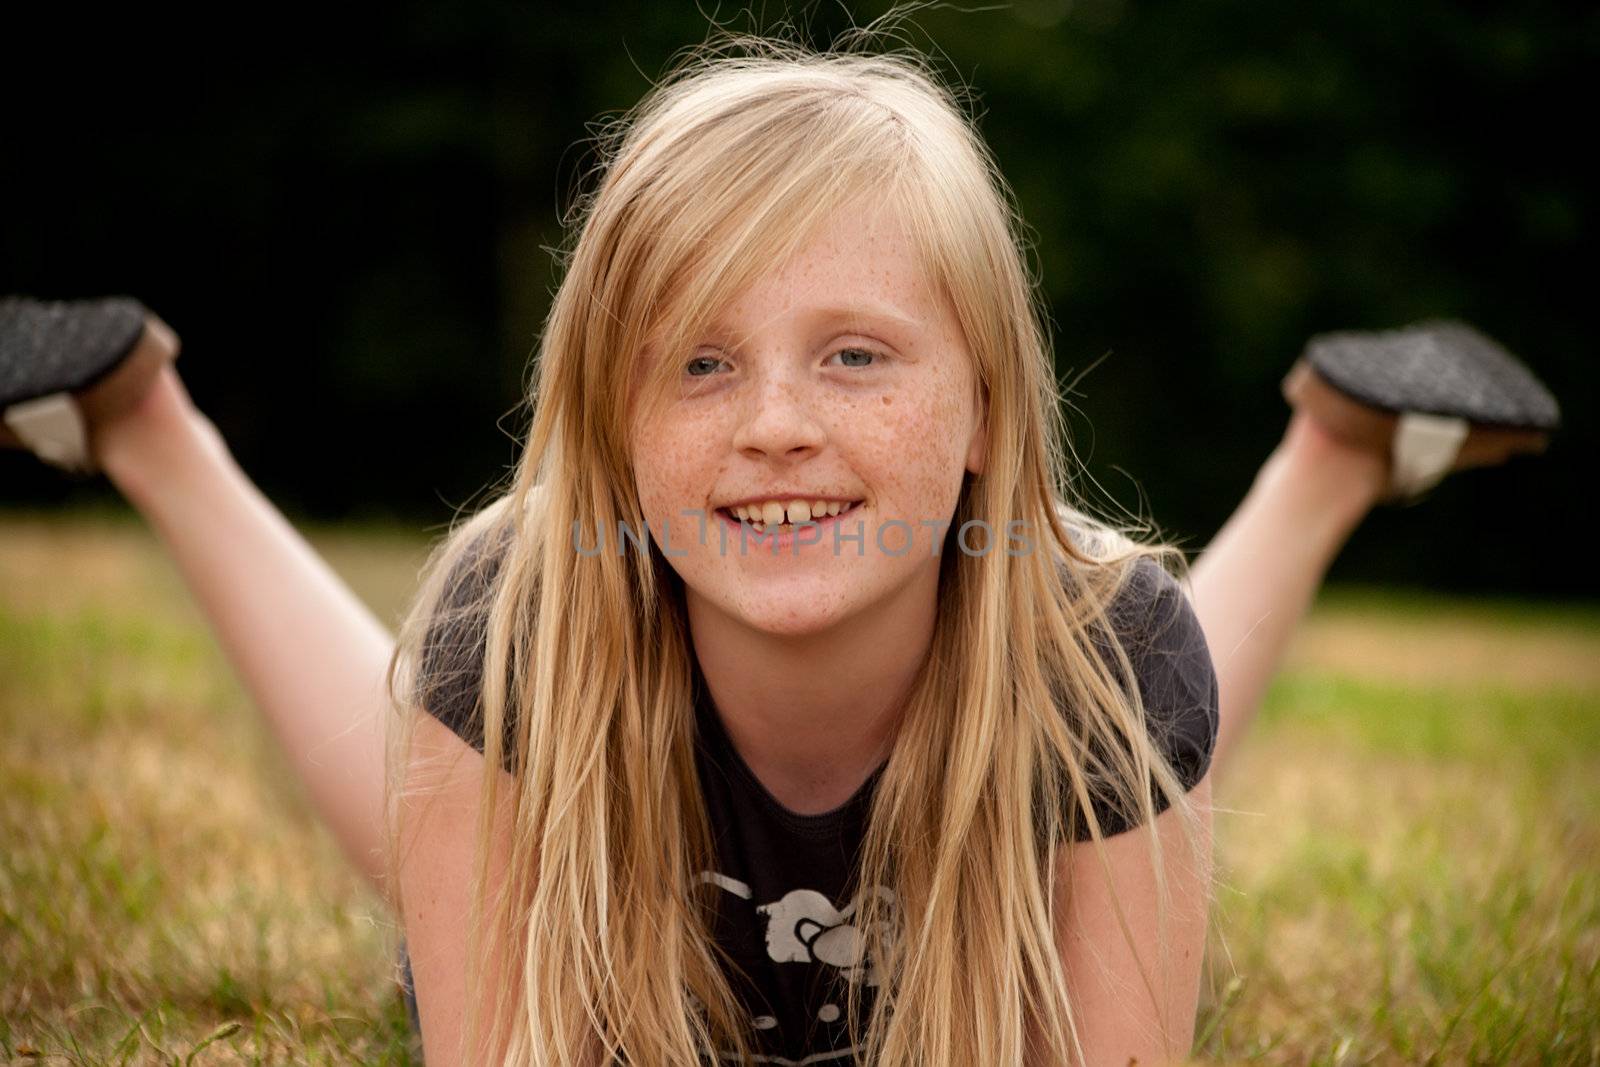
(308, 651)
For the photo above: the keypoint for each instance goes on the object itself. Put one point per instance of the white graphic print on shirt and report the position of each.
(804, 927)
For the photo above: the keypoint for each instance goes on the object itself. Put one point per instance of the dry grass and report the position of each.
(160, 878)
(1409, 855)
(1464, 647)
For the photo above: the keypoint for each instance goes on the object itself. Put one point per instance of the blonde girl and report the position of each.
(788, 705)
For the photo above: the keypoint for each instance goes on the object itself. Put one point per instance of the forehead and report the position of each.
(860, 262)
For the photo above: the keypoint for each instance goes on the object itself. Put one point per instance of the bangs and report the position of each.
(741, 197)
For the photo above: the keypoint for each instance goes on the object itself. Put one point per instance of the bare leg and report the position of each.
(1254, 582)
(310, 654)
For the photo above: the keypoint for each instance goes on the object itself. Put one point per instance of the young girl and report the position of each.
(786, 708)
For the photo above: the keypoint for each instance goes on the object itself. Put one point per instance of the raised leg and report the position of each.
(309, 652)
(1255, 580)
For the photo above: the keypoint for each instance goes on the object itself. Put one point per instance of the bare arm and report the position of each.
(1118, 1022)
(438, 835)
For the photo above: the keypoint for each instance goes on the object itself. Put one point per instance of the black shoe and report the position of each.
(1434, 397)
(68, 365)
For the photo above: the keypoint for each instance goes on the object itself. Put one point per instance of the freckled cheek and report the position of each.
(907, 451)
(938, 418)
(667, 473)
(942, 460)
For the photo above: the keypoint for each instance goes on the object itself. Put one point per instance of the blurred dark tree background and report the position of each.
(346, 214)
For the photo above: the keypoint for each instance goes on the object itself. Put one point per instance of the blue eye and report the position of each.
(847, 354)
(701, 366)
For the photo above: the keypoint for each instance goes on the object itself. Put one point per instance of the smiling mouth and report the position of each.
(784, 518)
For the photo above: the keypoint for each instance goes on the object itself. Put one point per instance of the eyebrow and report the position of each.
(869, 310)
(864, 311)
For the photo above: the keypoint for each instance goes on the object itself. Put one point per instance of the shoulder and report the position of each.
(1157, 628)
(451, 669)
(1172, 662)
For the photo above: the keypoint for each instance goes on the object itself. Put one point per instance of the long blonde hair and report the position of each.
(1016, 720)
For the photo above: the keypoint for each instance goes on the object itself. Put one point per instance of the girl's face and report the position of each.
(838, 382)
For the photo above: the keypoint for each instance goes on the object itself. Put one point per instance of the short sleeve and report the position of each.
(449, 683)
(1177, 681)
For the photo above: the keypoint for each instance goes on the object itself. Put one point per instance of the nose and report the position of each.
(778, 422)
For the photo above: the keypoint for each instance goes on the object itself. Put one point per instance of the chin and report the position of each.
(799, 617)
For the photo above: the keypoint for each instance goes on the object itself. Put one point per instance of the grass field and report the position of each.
(1409, 852)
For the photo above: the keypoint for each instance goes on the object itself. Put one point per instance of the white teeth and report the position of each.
(786, 515)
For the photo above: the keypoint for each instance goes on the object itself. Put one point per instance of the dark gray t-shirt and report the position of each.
(786, 881)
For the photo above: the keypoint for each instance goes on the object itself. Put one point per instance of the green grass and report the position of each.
(1408, 843)
(165, 895)
(1411, 872)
